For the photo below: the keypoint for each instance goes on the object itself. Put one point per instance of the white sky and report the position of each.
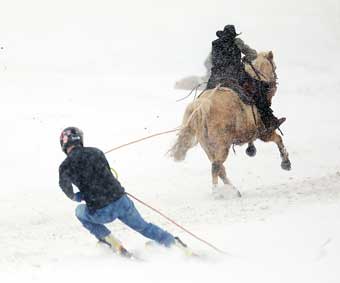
(135, 37)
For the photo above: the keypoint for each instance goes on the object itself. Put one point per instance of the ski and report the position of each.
(122, 252)
(178, 244)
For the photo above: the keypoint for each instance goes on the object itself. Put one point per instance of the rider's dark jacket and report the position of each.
(88, 169)
(226, 58)
(228, 70)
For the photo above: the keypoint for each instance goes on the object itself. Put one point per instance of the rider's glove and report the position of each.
(245, 60)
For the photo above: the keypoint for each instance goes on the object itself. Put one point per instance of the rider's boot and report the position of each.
(275, 123)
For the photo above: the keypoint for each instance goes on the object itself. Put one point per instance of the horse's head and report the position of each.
(265, 69)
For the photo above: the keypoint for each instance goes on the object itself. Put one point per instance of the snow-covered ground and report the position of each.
(110, 69)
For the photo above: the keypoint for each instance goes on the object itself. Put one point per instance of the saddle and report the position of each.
(245, 92)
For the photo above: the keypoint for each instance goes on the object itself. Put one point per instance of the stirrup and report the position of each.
(275, 124)
(280, 121)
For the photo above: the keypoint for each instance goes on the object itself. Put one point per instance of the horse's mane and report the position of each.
(264, 64)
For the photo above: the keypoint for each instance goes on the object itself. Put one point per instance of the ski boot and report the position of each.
(116, 246)
(183, 247)
(152, 244)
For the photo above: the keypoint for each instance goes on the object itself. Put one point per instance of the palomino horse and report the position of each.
(218, 119)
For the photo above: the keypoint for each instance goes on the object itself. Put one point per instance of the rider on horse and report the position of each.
(228, 70)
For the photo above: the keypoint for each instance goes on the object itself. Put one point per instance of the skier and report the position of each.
(228, 71)
(105, 198)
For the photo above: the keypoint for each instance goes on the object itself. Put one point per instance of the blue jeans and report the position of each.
(125, 211)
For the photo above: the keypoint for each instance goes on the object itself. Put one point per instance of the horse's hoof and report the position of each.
(226, 191)
(251, 150)
(285, 165)
(217, 196)
(216, 193)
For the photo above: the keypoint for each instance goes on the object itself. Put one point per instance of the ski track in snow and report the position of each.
(46, 230)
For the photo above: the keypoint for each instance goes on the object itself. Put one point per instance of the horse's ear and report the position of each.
(270, 55)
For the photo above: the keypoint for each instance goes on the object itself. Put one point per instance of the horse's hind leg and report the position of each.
(223, 175)
(217, 160)
(215, 166)
(218, 171)
(274, 137)
(217, 155)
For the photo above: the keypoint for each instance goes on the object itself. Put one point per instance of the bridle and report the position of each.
(258, 73)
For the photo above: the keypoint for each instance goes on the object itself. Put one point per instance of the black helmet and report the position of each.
(71, 136)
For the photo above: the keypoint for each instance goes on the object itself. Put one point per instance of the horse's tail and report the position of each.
(192, 125)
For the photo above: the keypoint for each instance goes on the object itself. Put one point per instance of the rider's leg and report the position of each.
(269, 120)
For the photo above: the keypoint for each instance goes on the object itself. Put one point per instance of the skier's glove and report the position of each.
(78, 197)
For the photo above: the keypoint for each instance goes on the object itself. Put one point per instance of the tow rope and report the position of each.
(154, 209)
(179, 226)
(141, 139)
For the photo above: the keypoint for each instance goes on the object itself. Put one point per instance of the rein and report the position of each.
(193, 89)
(271, 84)
(257, 72)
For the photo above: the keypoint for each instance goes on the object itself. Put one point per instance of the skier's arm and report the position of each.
(65, 182)
(250, 54)
(104, 160)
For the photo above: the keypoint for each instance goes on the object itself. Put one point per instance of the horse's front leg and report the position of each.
(251, 149)
(217, 156)
(274, 137)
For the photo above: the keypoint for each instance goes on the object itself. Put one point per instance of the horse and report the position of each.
(219, 119)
